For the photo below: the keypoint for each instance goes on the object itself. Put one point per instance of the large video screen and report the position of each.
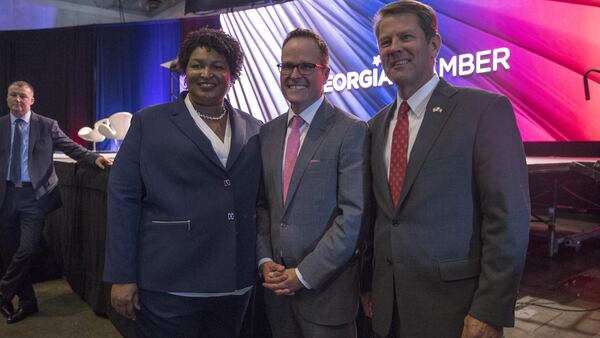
(533, 51)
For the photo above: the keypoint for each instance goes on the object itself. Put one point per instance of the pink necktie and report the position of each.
(399, 153)
(291, 152)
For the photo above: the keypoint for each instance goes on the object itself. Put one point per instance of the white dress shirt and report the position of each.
(221, 148)
(417, 103)
(307, 115)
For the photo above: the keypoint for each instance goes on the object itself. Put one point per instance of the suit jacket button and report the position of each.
(226, 182)
(230, 216)
(389, 261)
(283, 225)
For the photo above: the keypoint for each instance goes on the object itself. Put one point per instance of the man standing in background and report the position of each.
(28, 191)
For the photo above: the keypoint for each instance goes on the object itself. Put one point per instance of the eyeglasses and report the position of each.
(304, 68)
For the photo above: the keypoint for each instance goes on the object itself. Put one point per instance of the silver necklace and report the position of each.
(213, 118)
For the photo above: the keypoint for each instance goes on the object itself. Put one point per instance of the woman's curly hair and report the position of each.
(212, 39)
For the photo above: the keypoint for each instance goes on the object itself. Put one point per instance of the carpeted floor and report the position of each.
(62, 315)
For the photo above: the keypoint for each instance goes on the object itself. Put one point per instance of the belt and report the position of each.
(23, 184)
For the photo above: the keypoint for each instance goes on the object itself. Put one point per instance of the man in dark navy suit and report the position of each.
(28, 191)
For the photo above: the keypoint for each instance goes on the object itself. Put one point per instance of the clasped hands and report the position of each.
(279, 279)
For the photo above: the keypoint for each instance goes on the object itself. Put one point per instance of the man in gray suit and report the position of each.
(309, 221)
(451, 192)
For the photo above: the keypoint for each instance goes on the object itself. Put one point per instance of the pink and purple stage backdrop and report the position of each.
(533, 51)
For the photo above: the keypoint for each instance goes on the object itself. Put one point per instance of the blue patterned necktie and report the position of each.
(15, 161)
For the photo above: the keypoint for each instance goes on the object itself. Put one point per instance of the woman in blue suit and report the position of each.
(181, 203)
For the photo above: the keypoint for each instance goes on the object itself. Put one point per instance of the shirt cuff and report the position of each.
(299, 275)
(263, 260)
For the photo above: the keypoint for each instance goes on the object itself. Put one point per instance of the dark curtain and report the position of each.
(192, 24)
(59, 64)
(130, 76)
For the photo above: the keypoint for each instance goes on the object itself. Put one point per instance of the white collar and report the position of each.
(309, 113)
(25, 117)
(418, 101)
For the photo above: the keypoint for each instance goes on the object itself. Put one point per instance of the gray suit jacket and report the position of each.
(317, 229)
(456, 244)
(44, 138)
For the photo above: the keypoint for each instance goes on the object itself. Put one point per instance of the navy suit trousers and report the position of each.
(21, 225)
(166, 315)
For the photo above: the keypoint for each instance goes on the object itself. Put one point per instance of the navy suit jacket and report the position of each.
(178, 221)
(44, 138)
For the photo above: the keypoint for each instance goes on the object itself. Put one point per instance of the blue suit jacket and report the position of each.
(178, 221)
(44, 137)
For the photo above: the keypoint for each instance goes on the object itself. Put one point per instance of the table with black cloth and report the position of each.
(76, 232)
(76, 235)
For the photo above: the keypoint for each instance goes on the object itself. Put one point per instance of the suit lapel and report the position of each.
(438, 111)
(380, 135)
(238, 135)
(274, 144)
(182, 120)
(314, 137)
(4, 144)
(34, 131)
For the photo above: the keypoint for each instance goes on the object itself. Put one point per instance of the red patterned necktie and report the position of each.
(291, 152)
(399, 153)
